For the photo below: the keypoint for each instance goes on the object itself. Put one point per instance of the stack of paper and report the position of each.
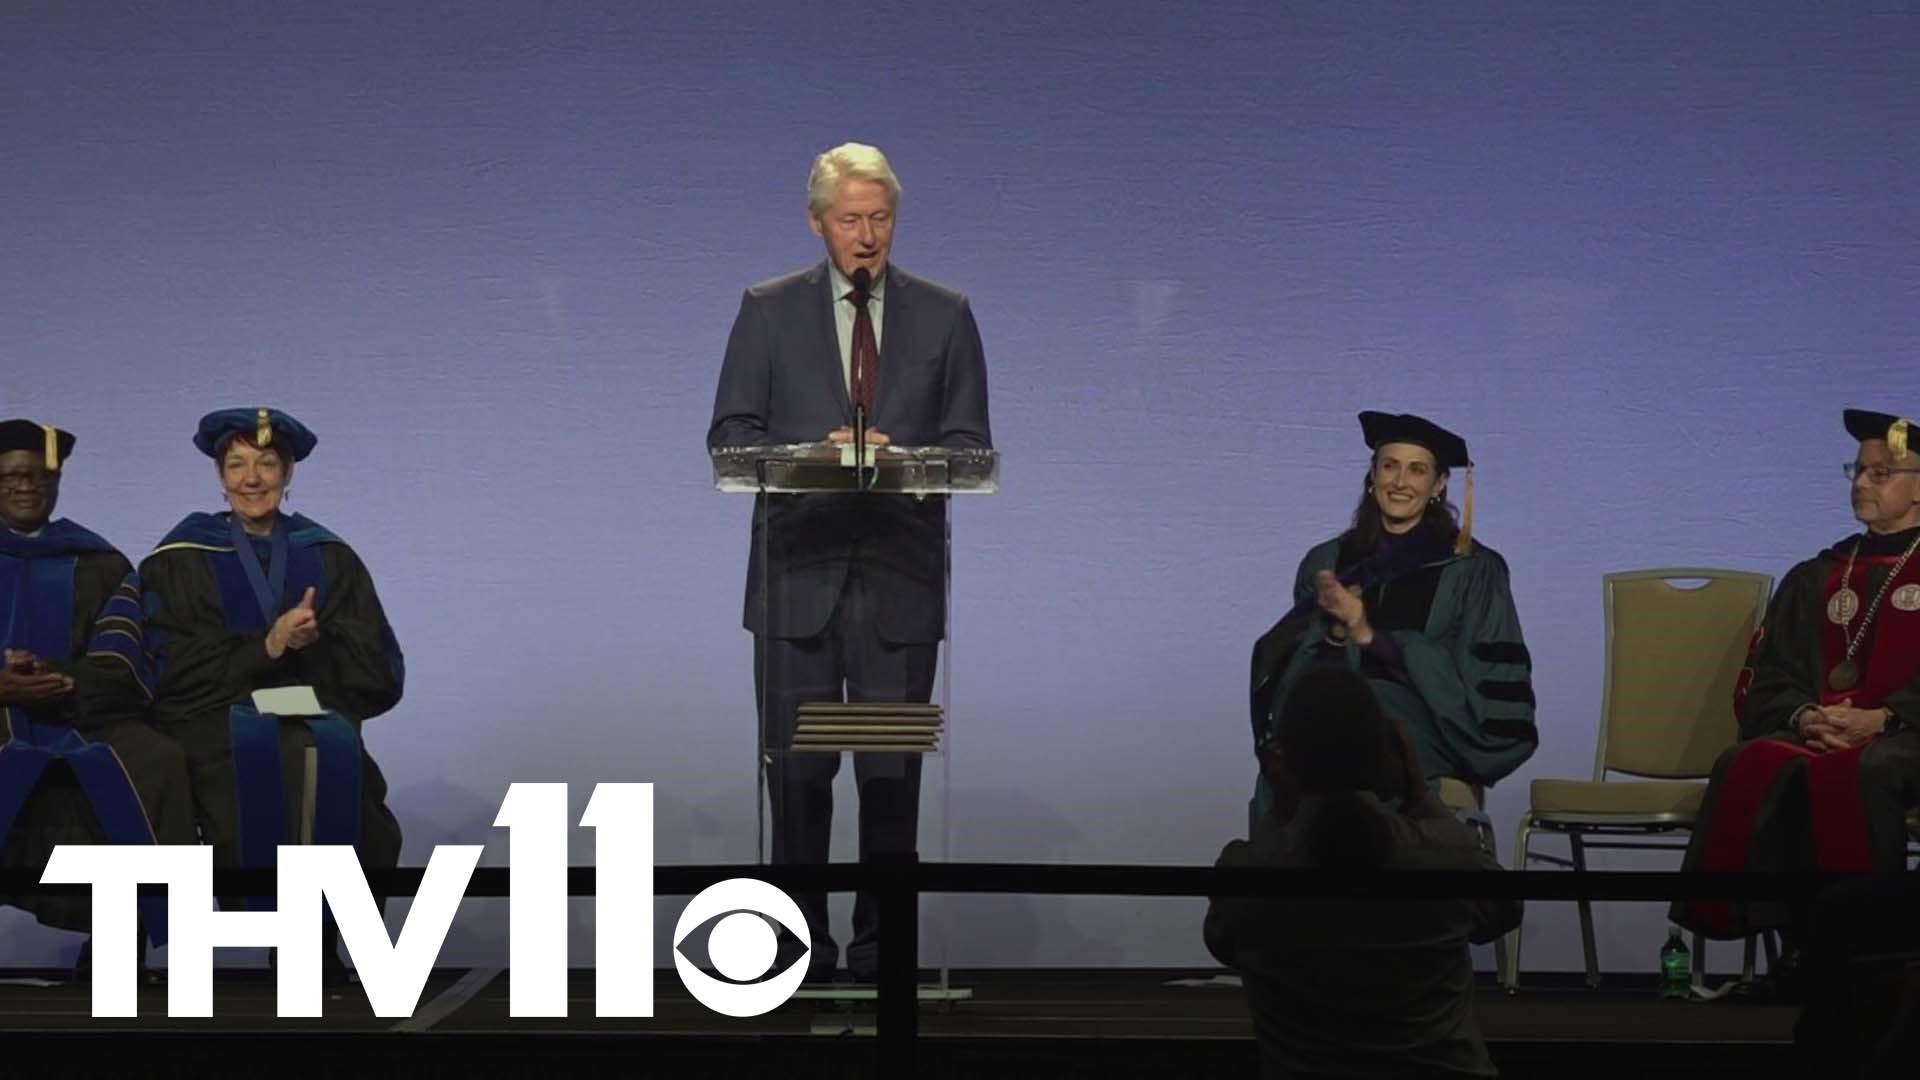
(902, 727)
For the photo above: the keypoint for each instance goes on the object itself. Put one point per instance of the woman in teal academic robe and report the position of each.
(1409, 599)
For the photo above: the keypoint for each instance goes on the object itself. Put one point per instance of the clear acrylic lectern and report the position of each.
(782, 472)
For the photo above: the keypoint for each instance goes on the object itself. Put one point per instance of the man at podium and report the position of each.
(848, 601)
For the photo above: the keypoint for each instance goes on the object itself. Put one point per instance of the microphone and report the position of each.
(862, 281)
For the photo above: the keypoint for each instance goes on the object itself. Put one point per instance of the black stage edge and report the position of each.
(1045, 1024)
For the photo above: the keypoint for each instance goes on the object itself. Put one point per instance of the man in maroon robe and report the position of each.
(1829, 703)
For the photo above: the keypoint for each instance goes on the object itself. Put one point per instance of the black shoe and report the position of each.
(821, 970)
(864, 965)
(821, 960)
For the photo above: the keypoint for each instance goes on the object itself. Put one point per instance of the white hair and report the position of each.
(848, 161)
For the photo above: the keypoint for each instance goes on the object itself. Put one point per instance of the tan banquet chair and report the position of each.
(1673, 655)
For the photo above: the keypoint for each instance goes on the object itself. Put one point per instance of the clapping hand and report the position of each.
(1343, 605)
(26, 680)
(296, 629)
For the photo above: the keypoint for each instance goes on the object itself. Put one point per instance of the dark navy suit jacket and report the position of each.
(782, 382)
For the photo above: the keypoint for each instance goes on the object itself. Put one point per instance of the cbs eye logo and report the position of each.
(741, 946)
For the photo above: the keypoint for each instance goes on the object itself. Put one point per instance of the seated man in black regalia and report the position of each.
(80, 760)
(1829, 706)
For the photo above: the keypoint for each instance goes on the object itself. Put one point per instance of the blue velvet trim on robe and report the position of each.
(120, 632)
(259, 779)
(36, 612)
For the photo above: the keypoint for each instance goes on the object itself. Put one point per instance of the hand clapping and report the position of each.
(1343, 605)
(26, 680)
(296, 629)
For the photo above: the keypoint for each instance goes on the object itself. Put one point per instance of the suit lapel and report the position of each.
(827, 337)
(893, 343)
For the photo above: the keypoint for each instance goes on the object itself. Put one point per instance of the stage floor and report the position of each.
(1010, 1024)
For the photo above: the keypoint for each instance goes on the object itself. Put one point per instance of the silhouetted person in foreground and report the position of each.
(1341, 987)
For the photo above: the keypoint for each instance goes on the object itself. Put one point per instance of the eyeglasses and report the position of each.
(37, 478)
(1879, 474)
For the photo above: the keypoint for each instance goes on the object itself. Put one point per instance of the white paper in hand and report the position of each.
(287, 701)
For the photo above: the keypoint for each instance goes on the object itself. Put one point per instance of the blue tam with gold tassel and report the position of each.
(268, 429)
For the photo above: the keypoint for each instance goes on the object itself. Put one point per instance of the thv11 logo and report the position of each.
(394, 972)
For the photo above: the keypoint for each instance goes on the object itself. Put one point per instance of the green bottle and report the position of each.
(1676, 975)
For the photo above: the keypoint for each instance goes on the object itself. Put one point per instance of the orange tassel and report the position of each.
(1465, 543)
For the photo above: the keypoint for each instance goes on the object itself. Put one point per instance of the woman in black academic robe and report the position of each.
(254, 599)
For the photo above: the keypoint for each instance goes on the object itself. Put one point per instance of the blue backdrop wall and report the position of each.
(1640, 254)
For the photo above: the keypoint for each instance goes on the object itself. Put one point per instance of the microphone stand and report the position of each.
(860, 439)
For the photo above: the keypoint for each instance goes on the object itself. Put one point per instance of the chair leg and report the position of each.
(1578, 849)
(1499, 943)
(1699, 961)
(309, 793)
(1483, 826)
(1510, 972)
(1748, 949)
(1771, 942)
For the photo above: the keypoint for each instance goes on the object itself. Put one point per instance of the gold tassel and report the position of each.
(1465, 542)
(53, 447)
(263, 433)
(1897, 440)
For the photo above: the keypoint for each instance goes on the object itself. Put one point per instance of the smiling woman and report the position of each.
(254, 479)
(1410, 600)
(255, 599)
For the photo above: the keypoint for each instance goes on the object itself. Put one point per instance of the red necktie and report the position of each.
(866, 353)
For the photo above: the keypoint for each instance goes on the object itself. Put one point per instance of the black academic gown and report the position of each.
(1773, 806)
(91, 768)
(211, 655)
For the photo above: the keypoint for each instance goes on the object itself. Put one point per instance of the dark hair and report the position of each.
(246, 438)
(1337, 744)
(1440, 523)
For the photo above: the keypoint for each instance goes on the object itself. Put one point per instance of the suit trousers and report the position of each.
(847, 661)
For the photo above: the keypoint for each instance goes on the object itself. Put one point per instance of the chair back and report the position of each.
(1674, 651)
